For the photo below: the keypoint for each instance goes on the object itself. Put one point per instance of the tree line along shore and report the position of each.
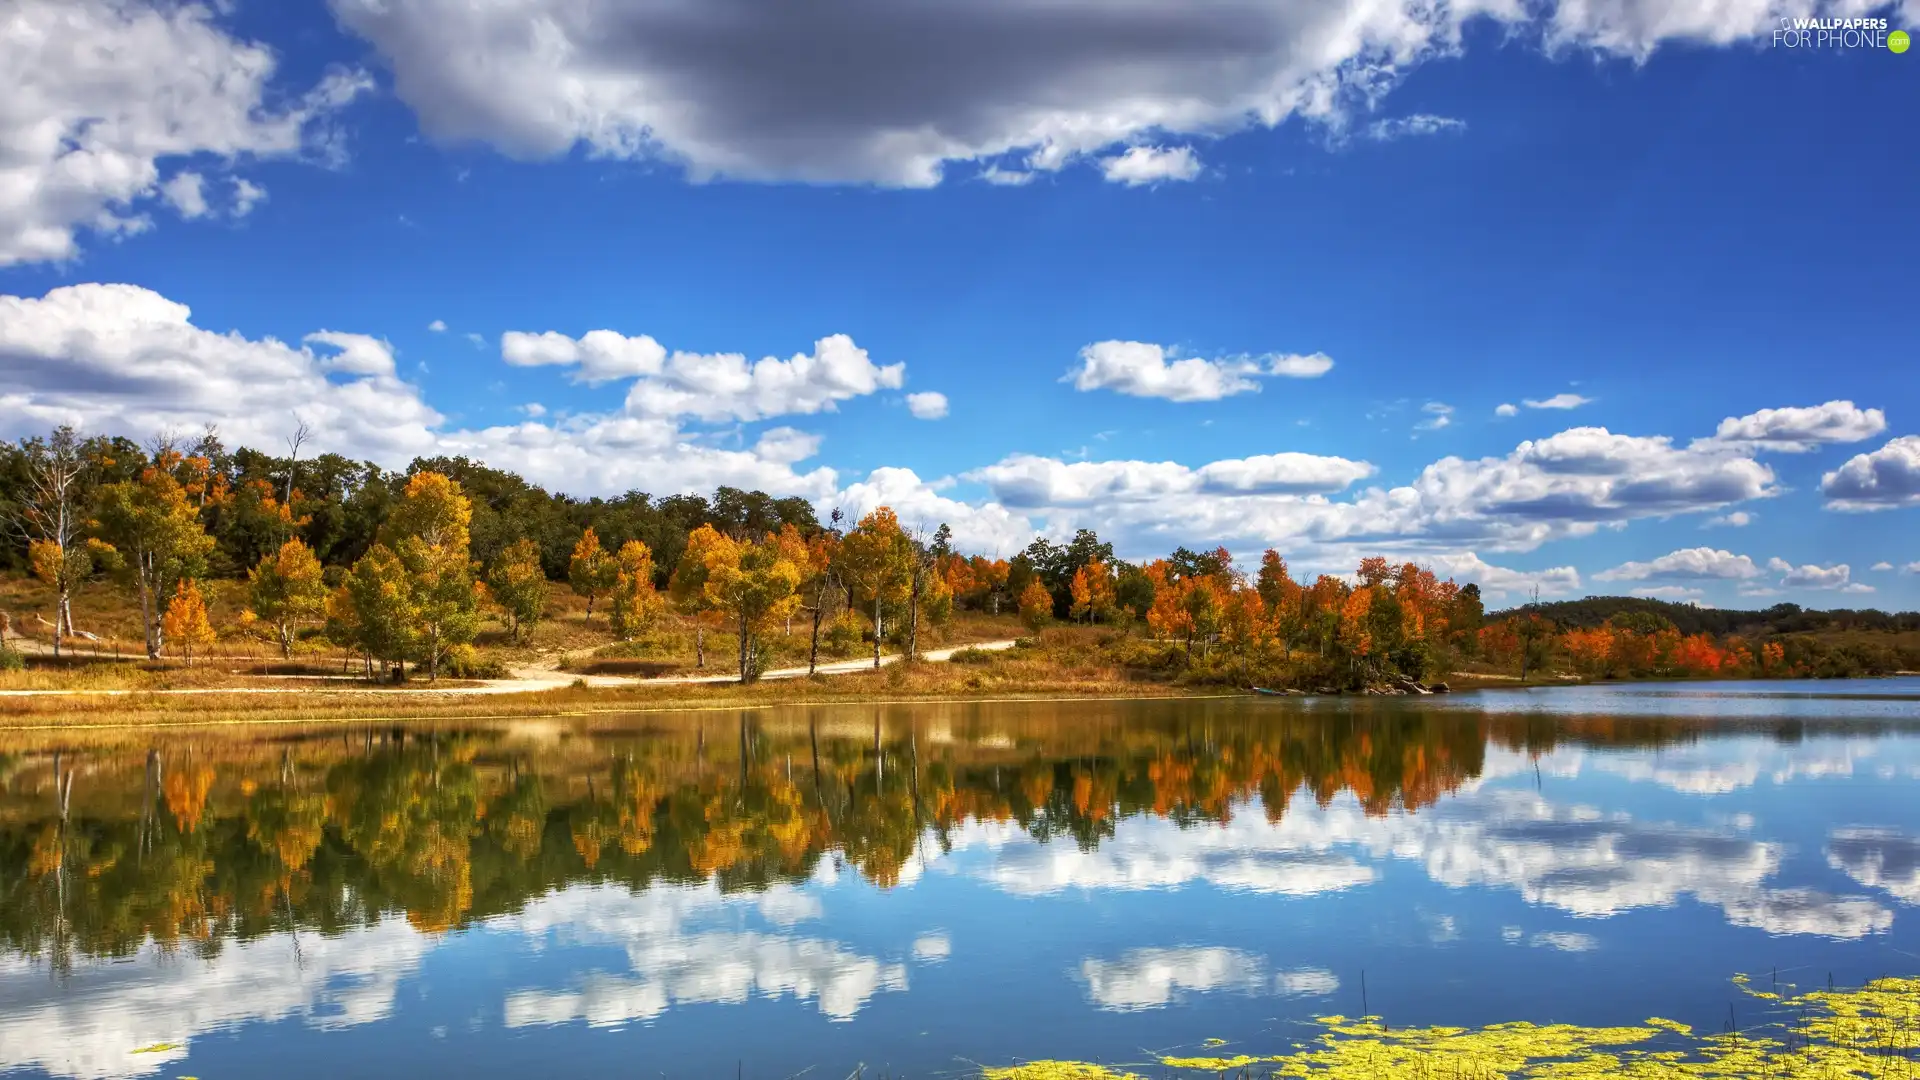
(176, 552)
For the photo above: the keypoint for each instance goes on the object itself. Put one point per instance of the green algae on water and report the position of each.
(1869, 1033)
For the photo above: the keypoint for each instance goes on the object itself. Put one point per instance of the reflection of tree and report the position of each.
(188, 845)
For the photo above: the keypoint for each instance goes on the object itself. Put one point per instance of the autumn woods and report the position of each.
(453, 569)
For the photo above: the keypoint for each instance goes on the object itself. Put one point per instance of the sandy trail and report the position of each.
(526, 680)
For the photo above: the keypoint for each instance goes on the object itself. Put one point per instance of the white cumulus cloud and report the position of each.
(1797, 430)
(1142, 165)
(1689, 564)
(1559, 401)
(1143, 369)
(709, 386)
(928, 405)
(1810, 575)
(101, 96)
(1881, 480)
(126, 360)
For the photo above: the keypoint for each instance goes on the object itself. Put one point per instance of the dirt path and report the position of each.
(526, 680)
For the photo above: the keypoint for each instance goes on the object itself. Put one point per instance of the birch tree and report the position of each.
(51, 519)
(519, 586)
(154, 527)
(876, 561)
(286, 590)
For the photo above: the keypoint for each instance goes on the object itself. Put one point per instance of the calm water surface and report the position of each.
(917, 889)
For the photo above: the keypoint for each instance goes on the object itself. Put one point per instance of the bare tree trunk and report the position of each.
(699, 646)
(876, 628)
(813, 650)
(743, 648)
(150, 624)
(913, 617)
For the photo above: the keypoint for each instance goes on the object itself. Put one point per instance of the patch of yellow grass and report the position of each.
(1869, 1032)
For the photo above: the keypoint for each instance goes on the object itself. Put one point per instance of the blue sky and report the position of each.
(1094, 231)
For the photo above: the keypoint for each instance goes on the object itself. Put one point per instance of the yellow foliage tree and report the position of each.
(635, 603)
(755, 586)
(185, 623)
(1036, 604)
(591, 571)
(688, 586)
(286, 590)
(876, 562)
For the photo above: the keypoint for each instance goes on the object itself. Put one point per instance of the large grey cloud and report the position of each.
(887, 92)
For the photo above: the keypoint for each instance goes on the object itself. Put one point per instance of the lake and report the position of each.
(925, 890)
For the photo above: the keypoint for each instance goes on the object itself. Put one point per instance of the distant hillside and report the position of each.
(1593, 611)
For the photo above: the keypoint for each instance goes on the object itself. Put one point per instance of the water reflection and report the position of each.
(621, 872)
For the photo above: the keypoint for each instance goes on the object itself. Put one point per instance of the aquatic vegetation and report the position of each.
(1871, 1031)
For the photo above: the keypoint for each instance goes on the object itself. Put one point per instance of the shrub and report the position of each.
(465, 663)
(845, 636)
(11, 659)
(971, 656)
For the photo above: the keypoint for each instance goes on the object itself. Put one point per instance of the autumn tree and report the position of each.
(688, 586)
(381, 607)
(429, 531)
(634, 604)
(1036, 604)
(519, 586)
(152, 523)
(286, 590)
(48, 514)
(1283, 599)
(820, 584)
(591, 570)
(754, 585)
(876, 561)
(186, 623)
(1092, 589)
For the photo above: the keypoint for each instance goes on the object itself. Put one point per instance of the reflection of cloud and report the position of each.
(725, 968)
(1716, 769)
(1878, 858)
(1306, 982)
(1150, 853)
(676, 960)
(1686, 777)
(1564, 941)
(1152, 978)
(1806, 911)
(932, 948)
(1567, 857)
(91, 1028)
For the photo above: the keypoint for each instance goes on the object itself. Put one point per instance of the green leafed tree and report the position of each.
(153, 524)
(380, 606)
(286, 591)
(519, 586)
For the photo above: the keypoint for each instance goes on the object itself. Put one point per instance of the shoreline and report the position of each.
(135, 710)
